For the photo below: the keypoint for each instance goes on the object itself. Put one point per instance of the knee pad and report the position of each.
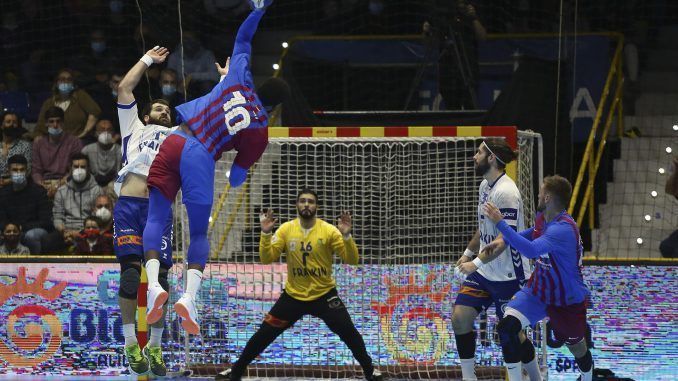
(508, 329)
(130, 278)
(162, 279)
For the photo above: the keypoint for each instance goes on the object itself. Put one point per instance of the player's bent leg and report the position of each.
(159, 208)
(339, 321)
(509, 329)
(198, 251)
(582, 355)
(269, 330)
(130, 278)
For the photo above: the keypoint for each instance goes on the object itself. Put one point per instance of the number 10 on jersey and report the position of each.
(233, 109)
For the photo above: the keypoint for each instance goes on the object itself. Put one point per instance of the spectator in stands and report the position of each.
(73, 202)
(104, 155)
(198, 65)
(11, 240)
(106, 95)
(669, 246)
(80, 110)
(94, 63)
(51, 155)
(169, 89)
(12, 144)
(25, 203)
(92, 240)
(103, 211)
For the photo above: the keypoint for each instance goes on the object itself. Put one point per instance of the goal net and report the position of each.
(413, 200)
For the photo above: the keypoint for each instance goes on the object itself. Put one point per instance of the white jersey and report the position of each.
(509, 265)
(140, 143)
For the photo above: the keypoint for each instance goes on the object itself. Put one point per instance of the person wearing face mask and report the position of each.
(11, 238)
(103, 211)
(12, 144)
(25, 203)
(104, 155)
(93, 240)
(51, 155)
(169, 90)
(198, 64)
(72, 203)
(80, 110)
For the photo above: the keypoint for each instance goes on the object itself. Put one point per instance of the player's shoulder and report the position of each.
(506, 186)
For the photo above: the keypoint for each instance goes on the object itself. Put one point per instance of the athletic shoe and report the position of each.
(156, 297)
(138, 364)
(185, 308)
(376, 376)
(225, 376)
(154, 357)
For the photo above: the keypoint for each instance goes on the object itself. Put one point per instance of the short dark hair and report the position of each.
(273, 92)
(9, 112)
(18, 225)
(307, 190)
(54, 112)
(90, 218)
(559, 187)
(17, 159)
(501, 150)
(147, 108)
(79, 156)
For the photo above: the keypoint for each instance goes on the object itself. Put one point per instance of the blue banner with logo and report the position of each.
(585, 60)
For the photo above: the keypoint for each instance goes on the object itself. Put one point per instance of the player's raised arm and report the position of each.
(243, 40)
(345, 245)
(156, 55)
(270, 245)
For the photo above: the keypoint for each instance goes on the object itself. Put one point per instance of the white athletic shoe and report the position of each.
(156, 297)
(185, 308)
(376, 376)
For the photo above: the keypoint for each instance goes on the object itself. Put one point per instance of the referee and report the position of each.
(309, 243)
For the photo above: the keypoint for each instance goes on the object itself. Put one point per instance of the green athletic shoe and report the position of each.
(138, 364)
(154, 356)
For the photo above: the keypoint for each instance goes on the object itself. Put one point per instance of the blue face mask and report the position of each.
(114, 93)
(116, 6)
(98, 47)
(65, 87)
(54, 131)
(168, 90)
(18, 178)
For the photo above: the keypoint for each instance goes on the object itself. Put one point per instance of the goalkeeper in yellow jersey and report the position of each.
(309, 243)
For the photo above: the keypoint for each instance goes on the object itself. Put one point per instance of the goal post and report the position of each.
(413, 195)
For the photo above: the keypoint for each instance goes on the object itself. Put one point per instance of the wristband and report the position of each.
(478, 262)
(347, 236)
(264, 233)
(147, 60)
(469, 253)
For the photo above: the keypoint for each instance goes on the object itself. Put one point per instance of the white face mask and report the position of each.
(79, 175)
(103, 214)
(105, 138)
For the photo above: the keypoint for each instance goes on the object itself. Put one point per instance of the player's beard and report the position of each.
(306, 214)
(541, 206)
(482, 167)
(160, 122)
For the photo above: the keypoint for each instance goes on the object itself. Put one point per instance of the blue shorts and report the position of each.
(480, 293)
(129, 221)
(568, 322)
(183, 163)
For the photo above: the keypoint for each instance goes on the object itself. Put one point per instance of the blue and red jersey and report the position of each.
(231, 116)
(556, 245)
